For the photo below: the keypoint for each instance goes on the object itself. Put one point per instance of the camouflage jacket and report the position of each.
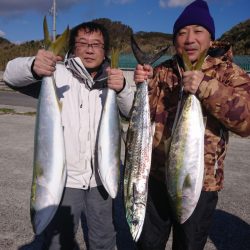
(225, 97)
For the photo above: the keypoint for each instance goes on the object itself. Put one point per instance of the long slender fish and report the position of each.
(49, 168)
(109, 139)
(138, 151)
(138, 161)
(185, 162)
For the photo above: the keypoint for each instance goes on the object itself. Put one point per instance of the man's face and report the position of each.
(193, 39)
(90, 48)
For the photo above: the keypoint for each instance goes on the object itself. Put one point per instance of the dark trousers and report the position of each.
(191, 235)
(96, 206)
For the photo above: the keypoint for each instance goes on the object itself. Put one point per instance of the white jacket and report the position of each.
(81, 111)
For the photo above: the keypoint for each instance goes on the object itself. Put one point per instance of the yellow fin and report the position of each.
(60, 46)
(187, 182)
(187, 63)
(200, 61)
(60, 105)
(115, 53)
(47, 41)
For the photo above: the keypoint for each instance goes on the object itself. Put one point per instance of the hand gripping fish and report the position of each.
(138, 151)
(185, 161)
(109, 139)
(49, 169)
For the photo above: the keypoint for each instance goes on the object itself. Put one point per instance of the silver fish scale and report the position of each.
(138, 161)
(49, 168)
(185, 163)
(109, 145)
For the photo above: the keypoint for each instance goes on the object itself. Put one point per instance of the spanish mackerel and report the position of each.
(138, 151)
(185, 161)
(49, 169)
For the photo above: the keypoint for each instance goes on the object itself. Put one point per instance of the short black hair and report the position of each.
(90, 27)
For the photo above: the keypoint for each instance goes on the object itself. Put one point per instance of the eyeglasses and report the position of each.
(94, 46)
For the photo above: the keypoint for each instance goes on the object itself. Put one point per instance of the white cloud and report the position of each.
(2, 34)
(16, 7)
(173, 3)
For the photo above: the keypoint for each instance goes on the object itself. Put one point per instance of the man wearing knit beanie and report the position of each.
(222, 90)
(196, 13)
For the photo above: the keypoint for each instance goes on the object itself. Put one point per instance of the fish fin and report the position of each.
(144, 58)
(60, 105)
(60, 46)
(47, 41)
(200, 61)
(139, 55)
(187, 63)
(219, 49)
(115, 53)
(187, 181)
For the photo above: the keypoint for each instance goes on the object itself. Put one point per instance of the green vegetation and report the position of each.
(150, 42)
(5, 111)
(239, 37)
(9, 51)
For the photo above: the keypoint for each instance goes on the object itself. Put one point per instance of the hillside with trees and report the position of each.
(239, 37)
(150, 42)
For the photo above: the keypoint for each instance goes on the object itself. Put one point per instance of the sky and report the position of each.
(22, 21)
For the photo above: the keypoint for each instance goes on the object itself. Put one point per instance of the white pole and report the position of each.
(54, 20)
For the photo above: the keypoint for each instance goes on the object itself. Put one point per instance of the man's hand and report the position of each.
(115, 79)
(45, 63)
(191, 80)
(143, 73)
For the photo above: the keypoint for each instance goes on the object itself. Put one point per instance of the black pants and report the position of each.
(96, 206)
(191, 235)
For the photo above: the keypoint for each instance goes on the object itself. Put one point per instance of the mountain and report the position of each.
(149, 42)
(239, 37)
(120, 37)
(4, 41)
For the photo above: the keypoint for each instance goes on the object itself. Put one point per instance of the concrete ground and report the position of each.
(230, 230)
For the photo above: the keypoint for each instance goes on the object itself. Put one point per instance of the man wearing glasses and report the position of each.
(80, 82)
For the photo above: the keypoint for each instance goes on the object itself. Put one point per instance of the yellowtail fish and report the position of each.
(49, 168)
(185, 162)
(109, 139)
(138, 151)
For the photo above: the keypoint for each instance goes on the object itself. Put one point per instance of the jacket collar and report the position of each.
(75, 65)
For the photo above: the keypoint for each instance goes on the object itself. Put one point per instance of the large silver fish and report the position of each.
(109, 139)
(109, 145)
(138, 161)
(49, 168)
(138, 151)
(49, 171)
(185, 165)
(185, 162)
